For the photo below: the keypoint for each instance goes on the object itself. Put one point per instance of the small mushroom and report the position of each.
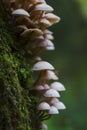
(53, 110)
(57, 86)
(20, 12)
(43, 7)
(38, 58)
(47, 32)
(45, 43)
(59, 105)
(44, 22)
(35, 32)
(38, 87)
(49, 36)
(52, 18)
(43, 106)
(46, 87)
(42, 65)
(50, 48)
(51, 93)
(53, 100)
(49, 75)
(44, 126)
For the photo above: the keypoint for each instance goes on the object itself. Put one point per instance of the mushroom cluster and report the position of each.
(48, 91)
(32, 19)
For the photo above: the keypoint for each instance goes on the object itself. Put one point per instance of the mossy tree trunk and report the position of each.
(17, 104)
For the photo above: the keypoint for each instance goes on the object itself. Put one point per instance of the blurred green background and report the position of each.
(70, 59)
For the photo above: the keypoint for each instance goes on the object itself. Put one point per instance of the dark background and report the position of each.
(70, 59)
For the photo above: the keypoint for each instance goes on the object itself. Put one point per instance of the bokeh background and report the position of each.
(70, 59)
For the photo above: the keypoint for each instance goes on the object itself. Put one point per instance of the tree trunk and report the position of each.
(17, 104)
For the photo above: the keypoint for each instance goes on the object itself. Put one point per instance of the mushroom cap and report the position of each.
(54, 100)
(59, 105)
(20, 12)
(52, 17)
(43, 7)
(42, 65)
(43, 106)
(35, 31)
(45, 22)
(53, 110)
(50, 48)
(44, 126)
(45, 43)
(57, 86)
(49, 36)
(38, 58)
(51, 93)
(46, 87)
(42, 1)
(48, 31)
(50, 75)
(33, 1)
(38, 87)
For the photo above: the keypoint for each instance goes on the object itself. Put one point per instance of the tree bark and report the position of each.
(17, 104)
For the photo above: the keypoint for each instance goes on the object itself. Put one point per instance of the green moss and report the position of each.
(17, 107)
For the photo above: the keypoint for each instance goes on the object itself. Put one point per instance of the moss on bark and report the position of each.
(17, 104)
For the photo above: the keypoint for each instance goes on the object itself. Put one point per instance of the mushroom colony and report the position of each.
(32, 19)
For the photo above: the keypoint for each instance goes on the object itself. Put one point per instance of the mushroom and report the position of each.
(44, 126)
(59, 105)
(44, 22)
(45, 43)
(49, 75)
(50, 48)
(35, 32)
(20, 12)
(38, 87)
(53, 110)
(52, 18)
(51, 93)
(49, 36)
(46, 87)
(57, 86)
(43, 106)
(38, 58)
(42, 65)
(53, 100)
(43, 7)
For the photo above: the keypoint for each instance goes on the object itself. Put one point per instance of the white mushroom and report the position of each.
(42, 65)
(45, 43)
(57, 86)
(42, 1)
(48, 32)
(20, 12)
(54, 100)
(35, 32)
(46, 87)
(45, 22)
(44, 126)
(43, 106)
(52, 17)
(49, 75)
(38, 58)
(38, 87)
(53, 110)
(51, 93)
(59, 105)
(49, 36)
(50, 48)
(43, 7)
